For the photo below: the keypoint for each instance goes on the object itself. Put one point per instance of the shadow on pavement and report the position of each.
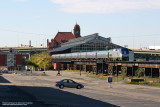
(60, 98)
(46, 97)
(13, 96)
(3, 80)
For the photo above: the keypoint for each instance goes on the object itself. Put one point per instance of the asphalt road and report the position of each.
(41, 90)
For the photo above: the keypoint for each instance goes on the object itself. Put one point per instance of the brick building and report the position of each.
(62, 37)
(11, 61)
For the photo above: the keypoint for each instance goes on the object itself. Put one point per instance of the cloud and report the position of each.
(20, 0)
(106, 6)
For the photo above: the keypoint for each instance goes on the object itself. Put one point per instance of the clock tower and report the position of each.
(77, 31)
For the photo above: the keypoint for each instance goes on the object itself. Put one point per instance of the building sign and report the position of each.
(10, 60)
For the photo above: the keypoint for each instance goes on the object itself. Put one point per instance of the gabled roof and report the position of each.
(78, 41)
(62, 37)
(84, 39)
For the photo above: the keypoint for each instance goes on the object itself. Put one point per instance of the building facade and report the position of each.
(11, 61)
(83, 54)
(88, 43)
(62, 37)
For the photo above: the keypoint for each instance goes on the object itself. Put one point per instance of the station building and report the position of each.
(89, 43)
(62, 37)
(94, 42)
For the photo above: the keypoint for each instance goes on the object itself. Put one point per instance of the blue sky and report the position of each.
(128, 22)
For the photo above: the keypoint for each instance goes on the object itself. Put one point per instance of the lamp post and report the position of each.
(96, 65)
(80, 63)
(102, 66)
(80, 70)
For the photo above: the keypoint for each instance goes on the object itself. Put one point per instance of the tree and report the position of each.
(42, 60)
(24, 62)
(139, 72)
(31, 64)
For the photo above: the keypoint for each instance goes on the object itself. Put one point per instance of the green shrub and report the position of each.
(124, 72)
(139, 72)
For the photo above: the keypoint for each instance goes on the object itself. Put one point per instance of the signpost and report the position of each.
(109, 81)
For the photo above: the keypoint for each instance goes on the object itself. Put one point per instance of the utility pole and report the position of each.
(102, 66)
(80, 63)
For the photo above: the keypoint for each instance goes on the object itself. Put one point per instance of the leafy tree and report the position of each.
(31, 64)
(139, 72)
(24, 62)
(42, 60)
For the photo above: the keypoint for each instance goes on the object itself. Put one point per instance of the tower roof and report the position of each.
(77, 25)
(63, 36)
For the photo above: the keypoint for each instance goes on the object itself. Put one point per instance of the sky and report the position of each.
(135, 23)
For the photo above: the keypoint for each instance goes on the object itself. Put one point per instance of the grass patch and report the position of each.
(155, 84)
(148, 81)
(105, 77)
(77, 71)
(20, 71)
(144, 83)
(100, 76)
(120, 78)
(44, 74)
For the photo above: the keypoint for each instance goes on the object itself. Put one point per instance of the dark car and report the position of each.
(4, 71)
(28, 70)
(68, 83)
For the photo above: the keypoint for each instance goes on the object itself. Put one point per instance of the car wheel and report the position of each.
(61, 86)
(79, 87)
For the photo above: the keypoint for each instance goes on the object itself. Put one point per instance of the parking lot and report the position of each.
(95, 93)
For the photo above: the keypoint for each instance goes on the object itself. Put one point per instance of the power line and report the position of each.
(149, 35)
(130, 35)
(8, 30)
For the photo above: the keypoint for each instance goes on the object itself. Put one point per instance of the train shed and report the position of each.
(147, 60)
(88, 43)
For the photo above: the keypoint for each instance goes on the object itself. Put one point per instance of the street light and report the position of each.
(80, 63)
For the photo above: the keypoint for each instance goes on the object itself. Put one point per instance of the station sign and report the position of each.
(10, 60)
